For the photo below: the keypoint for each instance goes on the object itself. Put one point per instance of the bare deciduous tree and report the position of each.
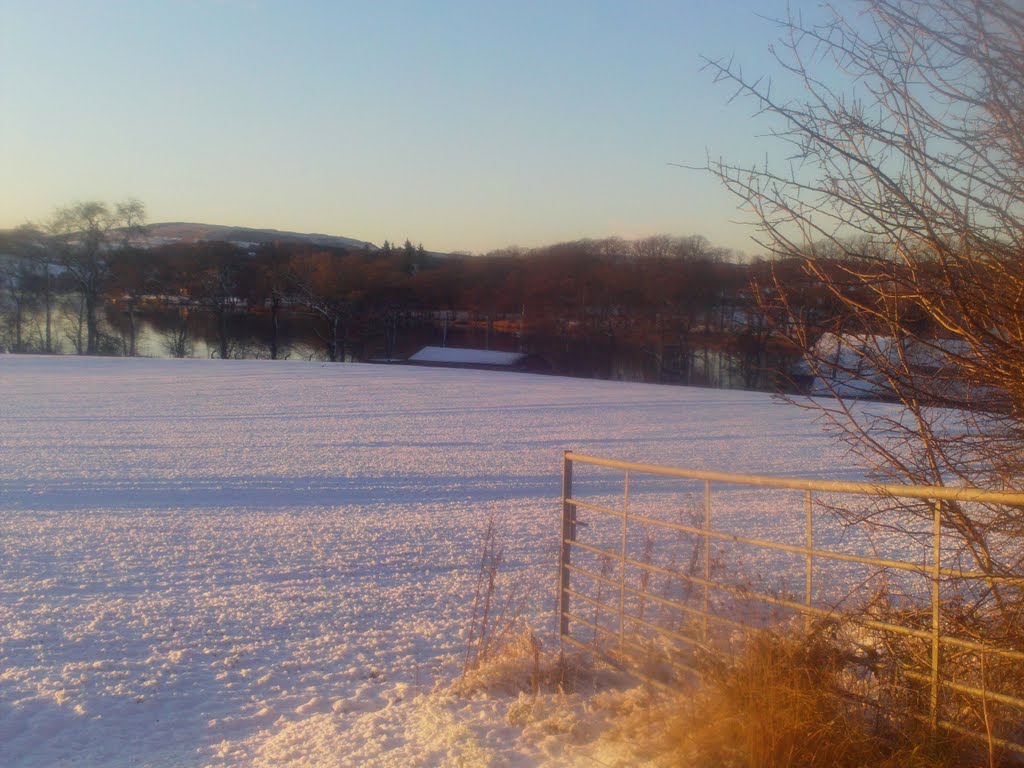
(26, 271)
(323, 281)
(903, 198)
(84, 236)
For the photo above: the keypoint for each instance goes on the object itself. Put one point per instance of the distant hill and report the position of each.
(186, 232)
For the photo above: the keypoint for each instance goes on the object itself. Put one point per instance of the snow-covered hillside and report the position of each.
(182, 232)
(260, 563)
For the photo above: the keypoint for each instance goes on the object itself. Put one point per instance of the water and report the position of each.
(182, 331)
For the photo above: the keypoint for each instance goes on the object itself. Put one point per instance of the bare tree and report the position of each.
(17, 298)
(903, 199)
(176, 340)
(216, 289)
(26, 271)
(270, 287)
(323, 282)
(84, 236)
(133, 276)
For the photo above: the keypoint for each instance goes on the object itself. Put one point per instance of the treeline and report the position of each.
(89, 282)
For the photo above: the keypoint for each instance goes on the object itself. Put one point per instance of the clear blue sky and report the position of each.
(462, 124)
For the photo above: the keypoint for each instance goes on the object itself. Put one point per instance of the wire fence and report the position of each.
(659, 563)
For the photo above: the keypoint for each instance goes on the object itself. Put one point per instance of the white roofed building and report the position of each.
(486, 359)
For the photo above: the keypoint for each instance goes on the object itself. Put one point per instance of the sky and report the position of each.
(464, 125)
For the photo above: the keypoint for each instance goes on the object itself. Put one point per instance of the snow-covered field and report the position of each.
(208, 563)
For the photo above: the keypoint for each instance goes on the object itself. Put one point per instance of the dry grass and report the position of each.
(839, 695)
(493, 619)
(777, 704)
(503, 654)
(521, 665)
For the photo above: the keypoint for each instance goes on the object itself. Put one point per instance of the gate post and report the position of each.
(809, 575)
(568, 536)
(707, 562)
(936, 612)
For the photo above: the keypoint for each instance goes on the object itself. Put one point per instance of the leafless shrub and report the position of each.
(487, 625)
(902, 202)
(503, 654)
(177, 340)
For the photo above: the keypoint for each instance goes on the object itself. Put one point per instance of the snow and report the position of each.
(222, 563)
(852, 360)
(452, 355)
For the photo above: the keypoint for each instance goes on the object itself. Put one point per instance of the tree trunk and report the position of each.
(132, 332)
(334, 339)
(17, 323)
(92, 334)
(222, 333)
(49, 313)
(275, 308)
(390, 333)
(80, 326)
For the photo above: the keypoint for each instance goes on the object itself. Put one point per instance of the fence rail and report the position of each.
(578, 583)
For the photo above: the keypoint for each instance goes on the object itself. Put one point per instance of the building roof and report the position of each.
(454, 356)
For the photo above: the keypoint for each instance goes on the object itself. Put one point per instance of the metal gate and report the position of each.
(609, 604)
